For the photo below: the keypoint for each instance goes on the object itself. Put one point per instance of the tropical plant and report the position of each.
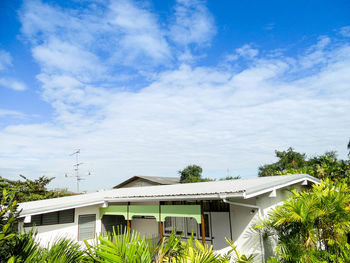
(126, 246)
(8, 223)
(312, 226)
(238, 256)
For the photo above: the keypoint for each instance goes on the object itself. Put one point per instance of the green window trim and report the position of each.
(128, 212)
(181, 211)
(144, 210)
(121, 210)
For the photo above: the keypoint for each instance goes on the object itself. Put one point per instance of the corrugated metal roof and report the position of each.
(239, 188)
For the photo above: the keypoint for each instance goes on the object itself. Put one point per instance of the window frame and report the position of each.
(58, 219)
(185, 233)
(209, 228)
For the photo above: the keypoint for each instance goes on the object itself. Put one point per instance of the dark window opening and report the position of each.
(60, 217)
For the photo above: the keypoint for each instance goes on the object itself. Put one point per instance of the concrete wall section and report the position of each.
(246, 238)
(50, 233)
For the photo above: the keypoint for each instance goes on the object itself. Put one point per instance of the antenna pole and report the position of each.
(76, 169)
(76, 165)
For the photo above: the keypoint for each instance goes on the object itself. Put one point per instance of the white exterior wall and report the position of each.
(50, 233)
(247, 239)
(138, 183)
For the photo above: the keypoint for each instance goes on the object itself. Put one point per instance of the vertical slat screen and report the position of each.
(66, 216)
(87, 226)
(50, 218)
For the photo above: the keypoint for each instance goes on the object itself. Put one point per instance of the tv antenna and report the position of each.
(76, 169)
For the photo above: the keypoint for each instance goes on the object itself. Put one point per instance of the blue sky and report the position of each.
(148, 87)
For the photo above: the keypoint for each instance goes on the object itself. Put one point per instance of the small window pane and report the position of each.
(191, 226)
(35, 221)
(50, 218)
(168, 225)
(87, 226)
(66, 216)
(179, 225)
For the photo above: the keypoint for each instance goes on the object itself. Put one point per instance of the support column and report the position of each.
(161, 229)
(129, 223)
(203, 223)
(160, 220)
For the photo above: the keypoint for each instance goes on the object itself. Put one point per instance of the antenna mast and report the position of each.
(76, 169)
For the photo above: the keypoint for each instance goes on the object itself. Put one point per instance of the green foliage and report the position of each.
(312, 226)
(287, 160)
(30, 190)
(130, 247)
(322, 166)
(191, 174)
(8, 217)
(239, 257)
(230, 178)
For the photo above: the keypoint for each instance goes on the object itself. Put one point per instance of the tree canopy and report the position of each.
(29, 190)
(322, 166)
(191, 174)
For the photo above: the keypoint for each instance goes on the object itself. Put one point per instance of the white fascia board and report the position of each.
(29, 212)
(270, 189)
(172, 198)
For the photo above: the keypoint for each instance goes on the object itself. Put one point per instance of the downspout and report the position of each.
(260, 214)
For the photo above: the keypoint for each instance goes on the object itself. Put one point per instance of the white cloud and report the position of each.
(12, 113)
(62, 57)
(316, 54)
(216, 117)
(192, 23)
(345, 31)
(12, 84)
(140, 33)
(5, 60)
(121, 32)
(246, 51)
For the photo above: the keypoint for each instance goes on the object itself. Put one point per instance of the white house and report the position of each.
(219, 209)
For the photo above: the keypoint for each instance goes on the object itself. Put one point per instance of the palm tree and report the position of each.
(311, 226)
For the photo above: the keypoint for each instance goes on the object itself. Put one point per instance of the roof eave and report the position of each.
(267, 190)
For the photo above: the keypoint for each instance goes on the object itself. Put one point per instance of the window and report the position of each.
(50, 218)
(182, 225)
(191, 227)
(86, 226)
(177, 223)
(168, 225)
(60, 217)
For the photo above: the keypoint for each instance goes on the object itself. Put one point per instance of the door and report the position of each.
(220, 227)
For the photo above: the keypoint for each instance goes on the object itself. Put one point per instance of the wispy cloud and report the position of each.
(12, 84)
(5, 59)
(269, 26)
(217, 117)
(345, 31)
(11, 113)
(246, 51)
(193, 24)
(8, 82)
